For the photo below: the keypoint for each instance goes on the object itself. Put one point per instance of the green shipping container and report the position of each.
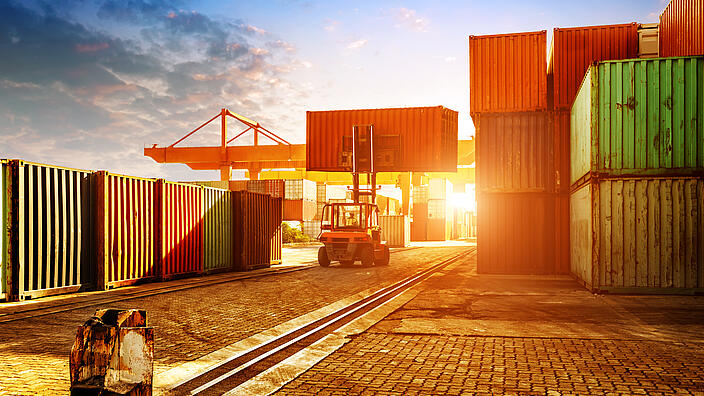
(5, 273)
(218, 230)
(639, 118)
(639, 235)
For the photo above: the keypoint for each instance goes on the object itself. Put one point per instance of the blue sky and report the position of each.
(88, 84)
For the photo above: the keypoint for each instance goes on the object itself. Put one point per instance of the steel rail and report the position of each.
(289, 339)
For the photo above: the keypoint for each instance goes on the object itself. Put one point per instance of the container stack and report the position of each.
(419, 226)
(515, 167)
(571, 53)
(637, 176)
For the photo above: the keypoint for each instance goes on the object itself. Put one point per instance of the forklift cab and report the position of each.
(351, 232)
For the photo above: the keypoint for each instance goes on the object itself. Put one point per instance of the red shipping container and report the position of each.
(507, 73)
(299, 209)
(682, 28)
(574, 49)
(514, 152)
(516, 234)
(561, 127)
(562, 234)
(415, 139)
(125, 230)
(179, 215)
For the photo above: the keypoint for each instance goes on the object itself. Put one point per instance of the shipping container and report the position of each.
(311, 228)
(574, 49)
(561, 149)
(639, 117)
(179, 215)
(5, 229)
(562, 234)
(648, 40)
(321, 192)
(257, 230)
(275, 188)
(420, 211)
(516, 234)
(437, 188)
(396, 230)
(420, 194)
(218, 230)
(682, 28)
(642, 235)
(238, 185)
(514, 152)
(438, 229)
(125, 229)
(319, 210)
(299, 209)
(507, 73)
(224, 185)
(297, 189)
(52, 230)
(405, 139)
(437, 209)
(419, 230)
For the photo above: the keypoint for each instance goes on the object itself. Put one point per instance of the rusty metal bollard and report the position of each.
(113, 354)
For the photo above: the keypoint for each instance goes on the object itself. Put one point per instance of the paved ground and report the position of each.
(191, 323)
(466, 334)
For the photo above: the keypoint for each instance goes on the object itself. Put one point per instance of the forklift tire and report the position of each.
(385, 260)
(366, 256)
(323, 259)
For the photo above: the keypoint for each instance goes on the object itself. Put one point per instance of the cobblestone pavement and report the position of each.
(475, 334)
(194, 322)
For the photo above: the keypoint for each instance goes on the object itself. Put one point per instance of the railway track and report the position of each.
(234, 371)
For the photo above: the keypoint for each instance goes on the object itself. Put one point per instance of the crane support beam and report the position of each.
(192, 155)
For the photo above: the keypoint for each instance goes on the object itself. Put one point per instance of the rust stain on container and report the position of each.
(125, 229)
(179, 215)
(574, 49)
(406, 139)
(516, 234)
(514, 152)
(682, 28)
(507, 72)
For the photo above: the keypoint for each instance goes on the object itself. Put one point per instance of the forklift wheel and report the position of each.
(387, 256)
(366, 256)
(323, 259)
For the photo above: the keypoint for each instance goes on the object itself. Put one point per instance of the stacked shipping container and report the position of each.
(682, 28)
(572, 51)
(66, 229)
(515, 168)
(637, 202)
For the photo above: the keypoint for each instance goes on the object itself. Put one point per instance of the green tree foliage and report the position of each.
(290, 234)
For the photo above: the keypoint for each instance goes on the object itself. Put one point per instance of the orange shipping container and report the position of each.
(682, 28)
(179, 215)
(516, 234)
(257, 230)
(299, 209)
(405, 139)
(507, 73)
(561, 127)
(562, 234)
(514, 152)
(574, 49)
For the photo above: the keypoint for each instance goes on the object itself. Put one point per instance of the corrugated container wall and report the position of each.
(321, 192)
(5, 222)
(299, 209)
(516, 234)
(507, 73)
(682, 28)
(574, 49)
(53, 227)
(257, 230)
(396, 230)
(406, 139)
(514, 152)
(218, 230)
(639, 235)
(179, 214)
(300, 189)
(125, 229)
(561, 149)
(639, 117)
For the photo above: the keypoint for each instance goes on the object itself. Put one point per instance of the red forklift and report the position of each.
(351, 231)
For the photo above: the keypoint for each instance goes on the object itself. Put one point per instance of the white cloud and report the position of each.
(450, 59)
(357, 44)
(409, 19)
(331, 25)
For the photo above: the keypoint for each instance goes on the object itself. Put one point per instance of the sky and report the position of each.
(89, 84)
